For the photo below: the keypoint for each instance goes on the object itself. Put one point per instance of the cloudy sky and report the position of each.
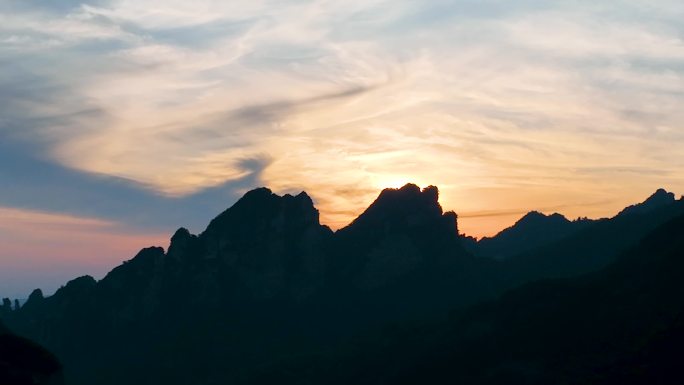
(122, 120)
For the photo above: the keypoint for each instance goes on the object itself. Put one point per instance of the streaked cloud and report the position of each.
(504, 105)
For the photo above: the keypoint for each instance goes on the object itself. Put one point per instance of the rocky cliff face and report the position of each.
(404, 230)
(274, 245)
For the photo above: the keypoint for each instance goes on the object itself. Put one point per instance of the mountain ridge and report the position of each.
(657, 200)
(266, 279)
(533, 230)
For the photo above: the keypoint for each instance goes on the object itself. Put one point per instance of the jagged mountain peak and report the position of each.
(660, 198)
(408, 216)
(536, 217)
(408, 205)
(181, 233)
(34, 299)
(36, 295)
(533, 230)
(532, 221)
(410, 191)
(261, 209)
(264, 194)
(181, 241)
(76, 287)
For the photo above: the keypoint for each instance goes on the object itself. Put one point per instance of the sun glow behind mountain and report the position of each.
(149, 115)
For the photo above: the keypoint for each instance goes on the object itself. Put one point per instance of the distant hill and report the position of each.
(593, 245)
(621, 325)
(266, 287)
(658, 200)
(536, 230)
(530, 232)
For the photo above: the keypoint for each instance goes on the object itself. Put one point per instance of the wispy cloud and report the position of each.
(508, 104)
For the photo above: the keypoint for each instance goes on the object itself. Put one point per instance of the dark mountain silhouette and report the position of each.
(265, 278)
(267, 288)
(658, 200)
(621, 325)
(23, 362)
(595, 245)
(530, 232)
(403, 257)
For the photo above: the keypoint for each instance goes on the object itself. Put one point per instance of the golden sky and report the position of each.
(506, 106)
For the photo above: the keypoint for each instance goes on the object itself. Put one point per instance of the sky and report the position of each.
(122, 120)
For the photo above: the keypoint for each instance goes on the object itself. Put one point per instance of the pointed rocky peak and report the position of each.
(36, 296)
(76, 287)
(532, 215)
(35, 299)
(661, 195)
(304, 198)
(534, 221)
(536, 218)
(182, 234)
(183, 243)
(661, 198)
(533, 230)
(180, 240)
(260, 210)
(142, 266)
(404, 208)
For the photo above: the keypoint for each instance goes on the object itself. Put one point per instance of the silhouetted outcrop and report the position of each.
(184, 244)
(403, 229)
(271, 244)
(34, 300)
(6, 306)
(403, 258)
(530, 232)
(658, 200)
(36, 296)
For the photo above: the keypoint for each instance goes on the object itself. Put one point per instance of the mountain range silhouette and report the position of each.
(266, 293)
(531, 231)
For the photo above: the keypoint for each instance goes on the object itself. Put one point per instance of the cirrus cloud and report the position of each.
(513, 105)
